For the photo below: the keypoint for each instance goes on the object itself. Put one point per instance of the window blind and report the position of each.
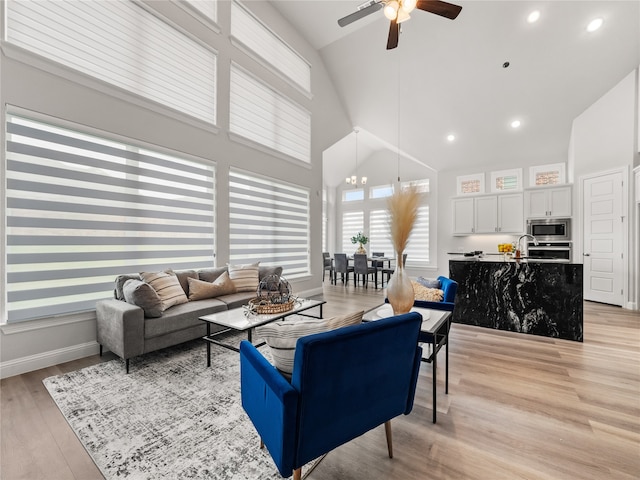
(418, 247)
(121, 43)
(379, 235)
(208, 8)
(352, 223)
(261, 40)
(262, 115)
(83, 209)
(269, 222)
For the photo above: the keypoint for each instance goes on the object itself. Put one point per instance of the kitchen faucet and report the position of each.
(535, 242)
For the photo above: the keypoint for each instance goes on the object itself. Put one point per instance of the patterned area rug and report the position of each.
(170, 418)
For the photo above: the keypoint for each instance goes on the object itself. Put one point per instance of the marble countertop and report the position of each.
(500, 258)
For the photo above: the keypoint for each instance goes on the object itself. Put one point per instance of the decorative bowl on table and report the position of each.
(272, 296)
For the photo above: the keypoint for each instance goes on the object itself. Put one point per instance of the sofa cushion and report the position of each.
(237, 300)
(141, 294)
(282, 335)
(120, 281)
(167, 287)
(245, 277)
(210, 274)
(183, 278)
(199, 289)
(182, 316)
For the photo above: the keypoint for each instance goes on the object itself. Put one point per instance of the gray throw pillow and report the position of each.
(265, 271)
(137, 292)
(183, 278)
(210, 274)
(120, 281)
(429, 282)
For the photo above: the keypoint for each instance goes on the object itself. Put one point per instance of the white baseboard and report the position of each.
(30, 363)
(631, 306)
(310, 293)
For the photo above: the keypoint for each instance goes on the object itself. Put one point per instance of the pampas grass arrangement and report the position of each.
(403, 213)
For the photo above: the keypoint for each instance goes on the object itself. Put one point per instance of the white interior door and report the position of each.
(603, 238)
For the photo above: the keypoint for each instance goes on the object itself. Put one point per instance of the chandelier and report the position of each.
(399, 10)
(353, 179)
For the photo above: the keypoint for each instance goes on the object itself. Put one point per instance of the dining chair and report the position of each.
(361, 267)
(378, 265)
(341, 265)
(327, 264)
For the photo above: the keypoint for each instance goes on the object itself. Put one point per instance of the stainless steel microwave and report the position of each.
(550, 229)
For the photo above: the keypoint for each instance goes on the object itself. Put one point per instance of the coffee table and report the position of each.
(434, 334)
(241, 320)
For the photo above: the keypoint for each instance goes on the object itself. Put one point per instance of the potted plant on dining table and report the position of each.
(361, 240)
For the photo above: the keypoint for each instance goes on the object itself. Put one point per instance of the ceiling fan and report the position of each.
(397, 11)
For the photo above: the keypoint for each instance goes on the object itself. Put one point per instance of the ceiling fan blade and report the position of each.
(374, 7)
(394, 33)
(444, 9)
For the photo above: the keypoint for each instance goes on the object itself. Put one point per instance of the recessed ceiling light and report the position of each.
(533, 16)
(595, 24)
(451, 137)
(515, 124)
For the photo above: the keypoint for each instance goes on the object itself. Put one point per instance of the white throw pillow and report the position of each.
(245, 277)
(167, 287)
(282, 335)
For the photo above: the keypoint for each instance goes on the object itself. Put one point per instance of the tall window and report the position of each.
(82, 209)
(379, 235)
(121, 43)
(264, 116)
(418, 247)
(352, 223)
(269, 222)
(256, 37)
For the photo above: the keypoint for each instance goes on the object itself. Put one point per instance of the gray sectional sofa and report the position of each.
(127, 330)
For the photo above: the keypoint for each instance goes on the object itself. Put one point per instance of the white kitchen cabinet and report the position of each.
(488, 214)
(542, 202)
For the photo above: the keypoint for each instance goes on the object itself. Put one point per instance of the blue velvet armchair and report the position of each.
(449, 288)
(345, 382)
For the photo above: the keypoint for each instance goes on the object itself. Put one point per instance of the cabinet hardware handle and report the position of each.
(586, 254)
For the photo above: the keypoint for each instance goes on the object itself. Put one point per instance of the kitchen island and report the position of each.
(539, 298)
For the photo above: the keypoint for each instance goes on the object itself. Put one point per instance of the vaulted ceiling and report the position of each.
(448, 76)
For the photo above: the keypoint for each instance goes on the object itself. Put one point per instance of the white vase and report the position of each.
(399, 289)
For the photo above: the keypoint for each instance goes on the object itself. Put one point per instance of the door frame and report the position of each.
(578, 233)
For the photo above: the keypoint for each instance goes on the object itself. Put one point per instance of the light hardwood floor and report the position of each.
(519, 407)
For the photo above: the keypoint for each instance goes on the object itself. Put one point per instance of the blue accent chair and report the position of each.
(345, 382)
(449, 288)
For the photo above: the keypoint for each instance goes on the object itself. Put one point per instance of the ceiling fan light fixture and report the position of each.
(403, 16)
(409, 5)
(391, 10)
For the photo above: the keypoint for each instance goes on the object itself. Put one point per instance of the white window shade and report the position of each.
(123, 44)
(269, 223)
(352, 223)
(418, 247)
(83, 209)
(262, 41)
(379, 234)
(264, 116)
(208, 8)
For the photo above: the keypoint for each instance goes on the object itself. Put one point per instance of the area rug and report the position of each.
(170, 418)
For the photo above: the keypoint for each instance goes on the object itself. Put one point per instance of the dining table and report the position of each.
(377, 262)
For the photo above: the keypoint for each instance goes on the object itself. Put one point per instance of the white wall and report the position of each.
(61, 93)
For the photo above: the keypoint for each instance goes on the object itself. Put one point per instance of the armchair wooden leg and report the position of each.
(297, 474)
(261, 444)
(387, 431)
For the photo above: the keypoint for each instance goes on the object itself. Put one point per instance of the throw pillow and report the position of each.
(199, 290)
(144, 296)
(282, 335)
(265, 271)
(120, 281)
(245, 277)
(427, 294)
(183, 278)
(210, 274)
(167, 287)
(429, 282)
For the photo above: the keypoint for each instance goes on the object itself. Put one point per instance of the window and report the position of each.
(120, 43)
(552, 174)
(506, 180)
(379, 235)
(418, 248)
(262, 115)
(470, 184)
(352, 195)
(208, 8)
(352, 223)
(422, 186)
(256, 37)
(82, 209)
(269, 222)
(381, 191)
